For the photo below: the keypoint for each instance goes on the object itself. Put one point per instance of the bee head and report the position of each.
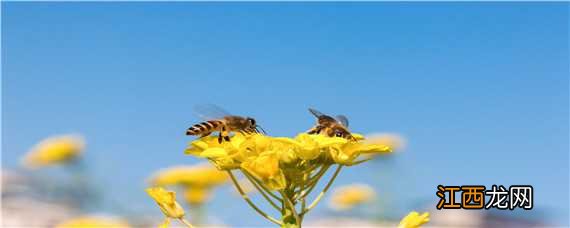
(251, 121)
(342, 133)
(253, 125)
(339, 133)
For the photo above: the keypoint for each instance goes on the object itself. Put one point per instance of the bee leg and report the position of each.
(224, 134)
(311, 131)
(329, 132)
(220, 138)
(315, 130)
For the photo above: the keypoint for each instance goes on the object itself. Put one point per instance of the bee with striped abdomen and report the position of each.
(329, 126)
(219, 120)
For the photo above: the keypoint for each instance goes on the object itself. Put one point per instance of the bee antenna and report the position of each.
(257, 127)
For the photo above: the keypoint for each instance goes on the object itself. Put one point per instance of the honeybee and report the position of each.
(219, 120)
(329, 126)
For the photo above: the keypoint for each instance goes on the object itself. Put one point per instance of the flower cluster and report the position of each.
(285, 170)
(280, 162)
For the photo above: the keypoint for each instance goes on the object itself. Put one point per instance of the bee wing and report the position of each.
(210, 112)
(342, 120)
(316, 113)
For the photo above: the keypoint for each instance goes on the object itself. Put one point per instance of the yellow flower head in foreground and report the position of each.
(349, 196)
(93, 222)
(266, 168)
(201, 175)
(53, 151)
(166, 200)
(414, 220)
(273, 160)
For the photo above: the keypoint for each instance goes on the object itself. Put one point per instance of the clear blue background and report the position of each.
(479, 90)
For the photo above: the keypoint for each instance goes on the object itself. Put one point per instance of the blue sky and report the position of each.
(479, 90)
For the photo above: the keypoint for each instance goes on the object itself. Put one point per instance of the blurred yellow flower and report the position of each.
(414, 220)
(54, 150)
(349, 196)
(198, 180)
(166, 200)
(394, 141)
(200, 175)
(197, 195)
(93, 222)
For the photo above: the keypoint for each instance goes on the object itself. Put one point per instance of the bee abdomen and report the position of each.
(204, 127)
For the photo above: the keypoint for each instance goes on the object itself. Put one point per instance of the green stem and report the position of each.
(320, 196)
(313, 183)
(289, 215)
(262, 190)
(248, 175)
(250, 203)
(303, 200)
(186, 222)
(197, 212)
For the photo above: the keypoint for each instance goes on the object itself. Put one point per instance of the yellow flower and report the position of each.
(92, 222)
(166, 200)
(347, 153)
(342, 151)
(224, 155)
(349, 196)
(276, 159)
(414, 220)
(53, 151)
(266, 168)
(201, 175)
(197, 195)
